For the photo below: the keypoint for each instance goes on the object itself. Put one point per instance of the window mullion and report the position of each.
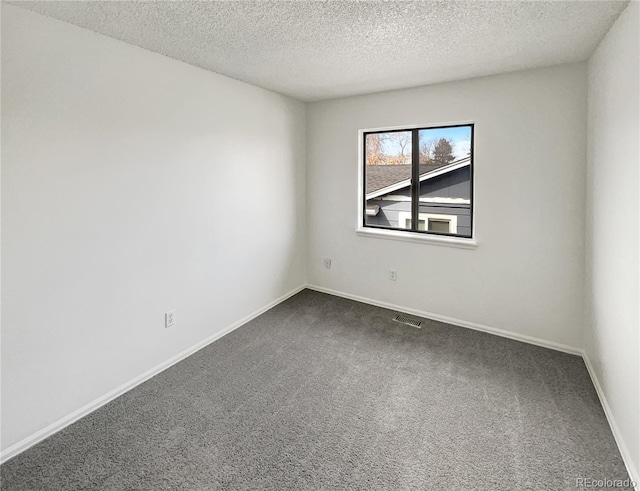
(415, 179)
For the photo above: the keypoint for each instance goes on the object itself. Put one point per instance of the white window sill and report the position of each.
(458, 242)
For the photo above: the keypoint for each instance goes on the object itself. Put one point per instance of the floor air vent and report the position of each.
(408, 321)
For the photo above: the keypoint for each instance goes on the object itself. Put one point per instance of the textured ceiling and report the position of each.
(315, 50)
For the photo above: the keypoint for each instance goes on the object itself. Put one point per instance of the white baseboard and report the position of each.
(456, 322)
(624, 451)
(62, 423)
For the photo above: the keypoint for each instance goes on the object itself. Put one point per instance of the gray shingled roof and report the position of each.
(381, 176)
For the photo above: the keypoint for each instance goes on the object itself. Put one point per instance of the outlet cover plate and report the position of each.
(170, 318)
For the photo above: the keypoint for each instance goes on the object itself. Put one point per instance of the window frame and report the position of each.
(413, 234)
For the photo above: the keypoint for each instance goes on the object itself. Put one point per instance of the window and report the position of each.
(419, 180)
(447, 224)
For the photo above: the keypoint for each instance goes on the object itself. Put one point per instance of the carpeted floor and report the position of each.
(326, 393)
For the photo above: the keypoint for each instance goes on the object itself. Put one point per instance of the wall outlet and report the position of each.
(327, 263)
(170, 318)
(393, 275)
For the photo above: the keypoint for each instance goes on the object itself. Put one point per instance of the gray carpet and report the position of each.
(326, 393)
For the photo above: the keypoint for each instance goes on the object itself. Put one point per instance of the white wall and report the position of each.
(132, 184)
(612, 338)
(526, 275)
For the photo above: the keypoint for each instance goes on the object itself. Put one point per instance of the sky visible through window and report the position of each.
(459, 136)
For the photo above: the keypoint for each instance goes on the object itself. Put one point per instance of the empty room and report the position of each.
(363, 245)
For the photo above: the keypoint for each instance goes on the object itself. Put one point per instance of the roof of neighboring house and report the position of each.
(385, 178)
